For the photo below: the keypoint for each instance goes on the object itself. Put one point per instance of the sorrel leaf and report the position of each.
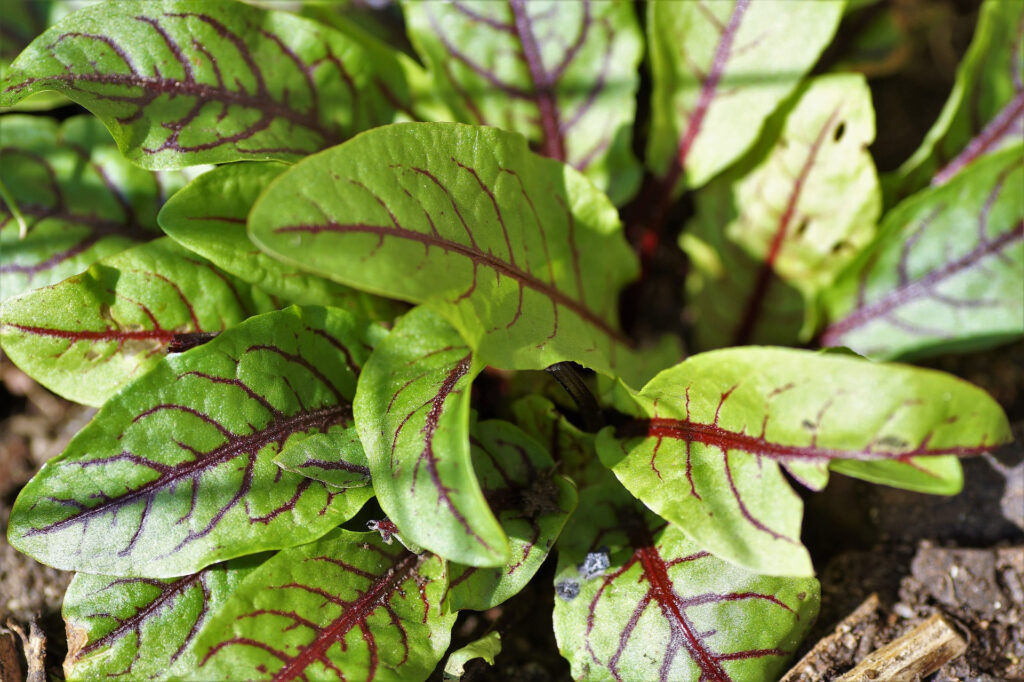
(140, 627)
(572, 448)
(412, 412)
(208, 216)
(86, 337)
(81, 199)
(945, 271)
(712, 436)
(531, 502)
(661, 608)
(985, 110)
(520, 253)
(719, 69)
(562, 74)
(347, 606)
(183, 82)
(800, 205)
(23, 21)
(336, 458)
(175, 472)
(486, 648)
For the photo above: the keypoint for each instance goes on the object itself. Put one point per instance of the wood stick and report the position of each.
(911, 657)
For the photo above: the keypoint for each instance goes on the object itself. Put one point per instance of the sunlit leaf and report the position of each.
(713, 436)
(140, 627)
(796, 209)
(345, 607)
(336, 458)
(208, 217)
(412, 412)
(520, 253)
(985, 110)
(946, 271)
(81, 199)
(486, 648)
(86, 337)
(719, 69)
(183, 82)
(531, 502)
(175, 472)
(661, 608)
(564, 74)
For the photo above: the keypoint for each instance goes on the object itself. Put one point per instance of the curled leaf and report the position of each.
(486, 648)
(175, 472)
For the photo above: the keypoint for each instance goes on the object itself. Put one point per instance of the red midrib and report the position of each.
(553, 144)
(989, 136)
(716, 436)
(370, 601)
(478, 258)
(162, 335)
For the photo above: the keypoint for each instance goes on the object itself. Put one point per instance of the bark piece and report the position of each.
(913, 656)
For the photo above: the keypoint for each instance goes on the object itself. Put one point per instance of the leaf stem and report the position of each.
(12, 205)
(569, 376)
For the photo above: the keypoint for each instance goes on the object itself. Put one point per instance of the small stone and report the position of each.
(595, 564)
(567, 590)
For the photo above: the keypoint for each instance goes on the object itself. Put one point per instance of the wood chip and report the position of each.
(913, 656)
(34, 645)
(810, 666)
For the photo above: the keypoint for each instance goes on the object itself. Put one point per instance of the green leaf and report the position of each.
(945, 271)
(531, 502)
(719, 69)
(486, 648)
(572, 448)
(345, 603)
(522, 255)
(208, 217)
(663, 608)
(23, 20)
(88, 336)
(797, 209)
(336, 458)
(140, 627)
(81, 198)
(412, 412)
(184, 82)
(985, 110)
(564, 74)
(713, 436)
(175, 472)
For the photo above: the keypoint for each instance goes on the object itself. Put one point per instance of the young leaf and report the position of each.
(81, 199)
(801, 205)
(91, 334)
(335, 457)
(184, 82)
(208, 216)
(562, 74)
(985, 111)
(140, 627)
(713, 435)
(719, 70)
(571, 448)
(945, 271)
(346, 607)
(175, 472)
(486, 648)
(522, 255)
(530, 501)
(412, 412)
(663, 609)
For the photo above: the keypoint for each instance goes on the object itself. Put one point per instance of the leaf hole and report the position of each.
(840, 130)
(841, 246)
(802, 227)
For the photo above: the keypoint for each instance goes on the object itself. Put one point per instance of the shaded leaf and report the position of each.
(486, 648)
(985, 110)
(719, 69)
(86, 337)
(799, 207)
(564, 74)
(175, 472)
(664, 609)
(945, 271)
(23, 20)
(520, 253)
(208, 217)
(570, 447)
(713, 436)
(531, 502)
(336, 457)
(142, 626)
(183, 82)
(412, 412)
(82, 199)
(346, 607)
